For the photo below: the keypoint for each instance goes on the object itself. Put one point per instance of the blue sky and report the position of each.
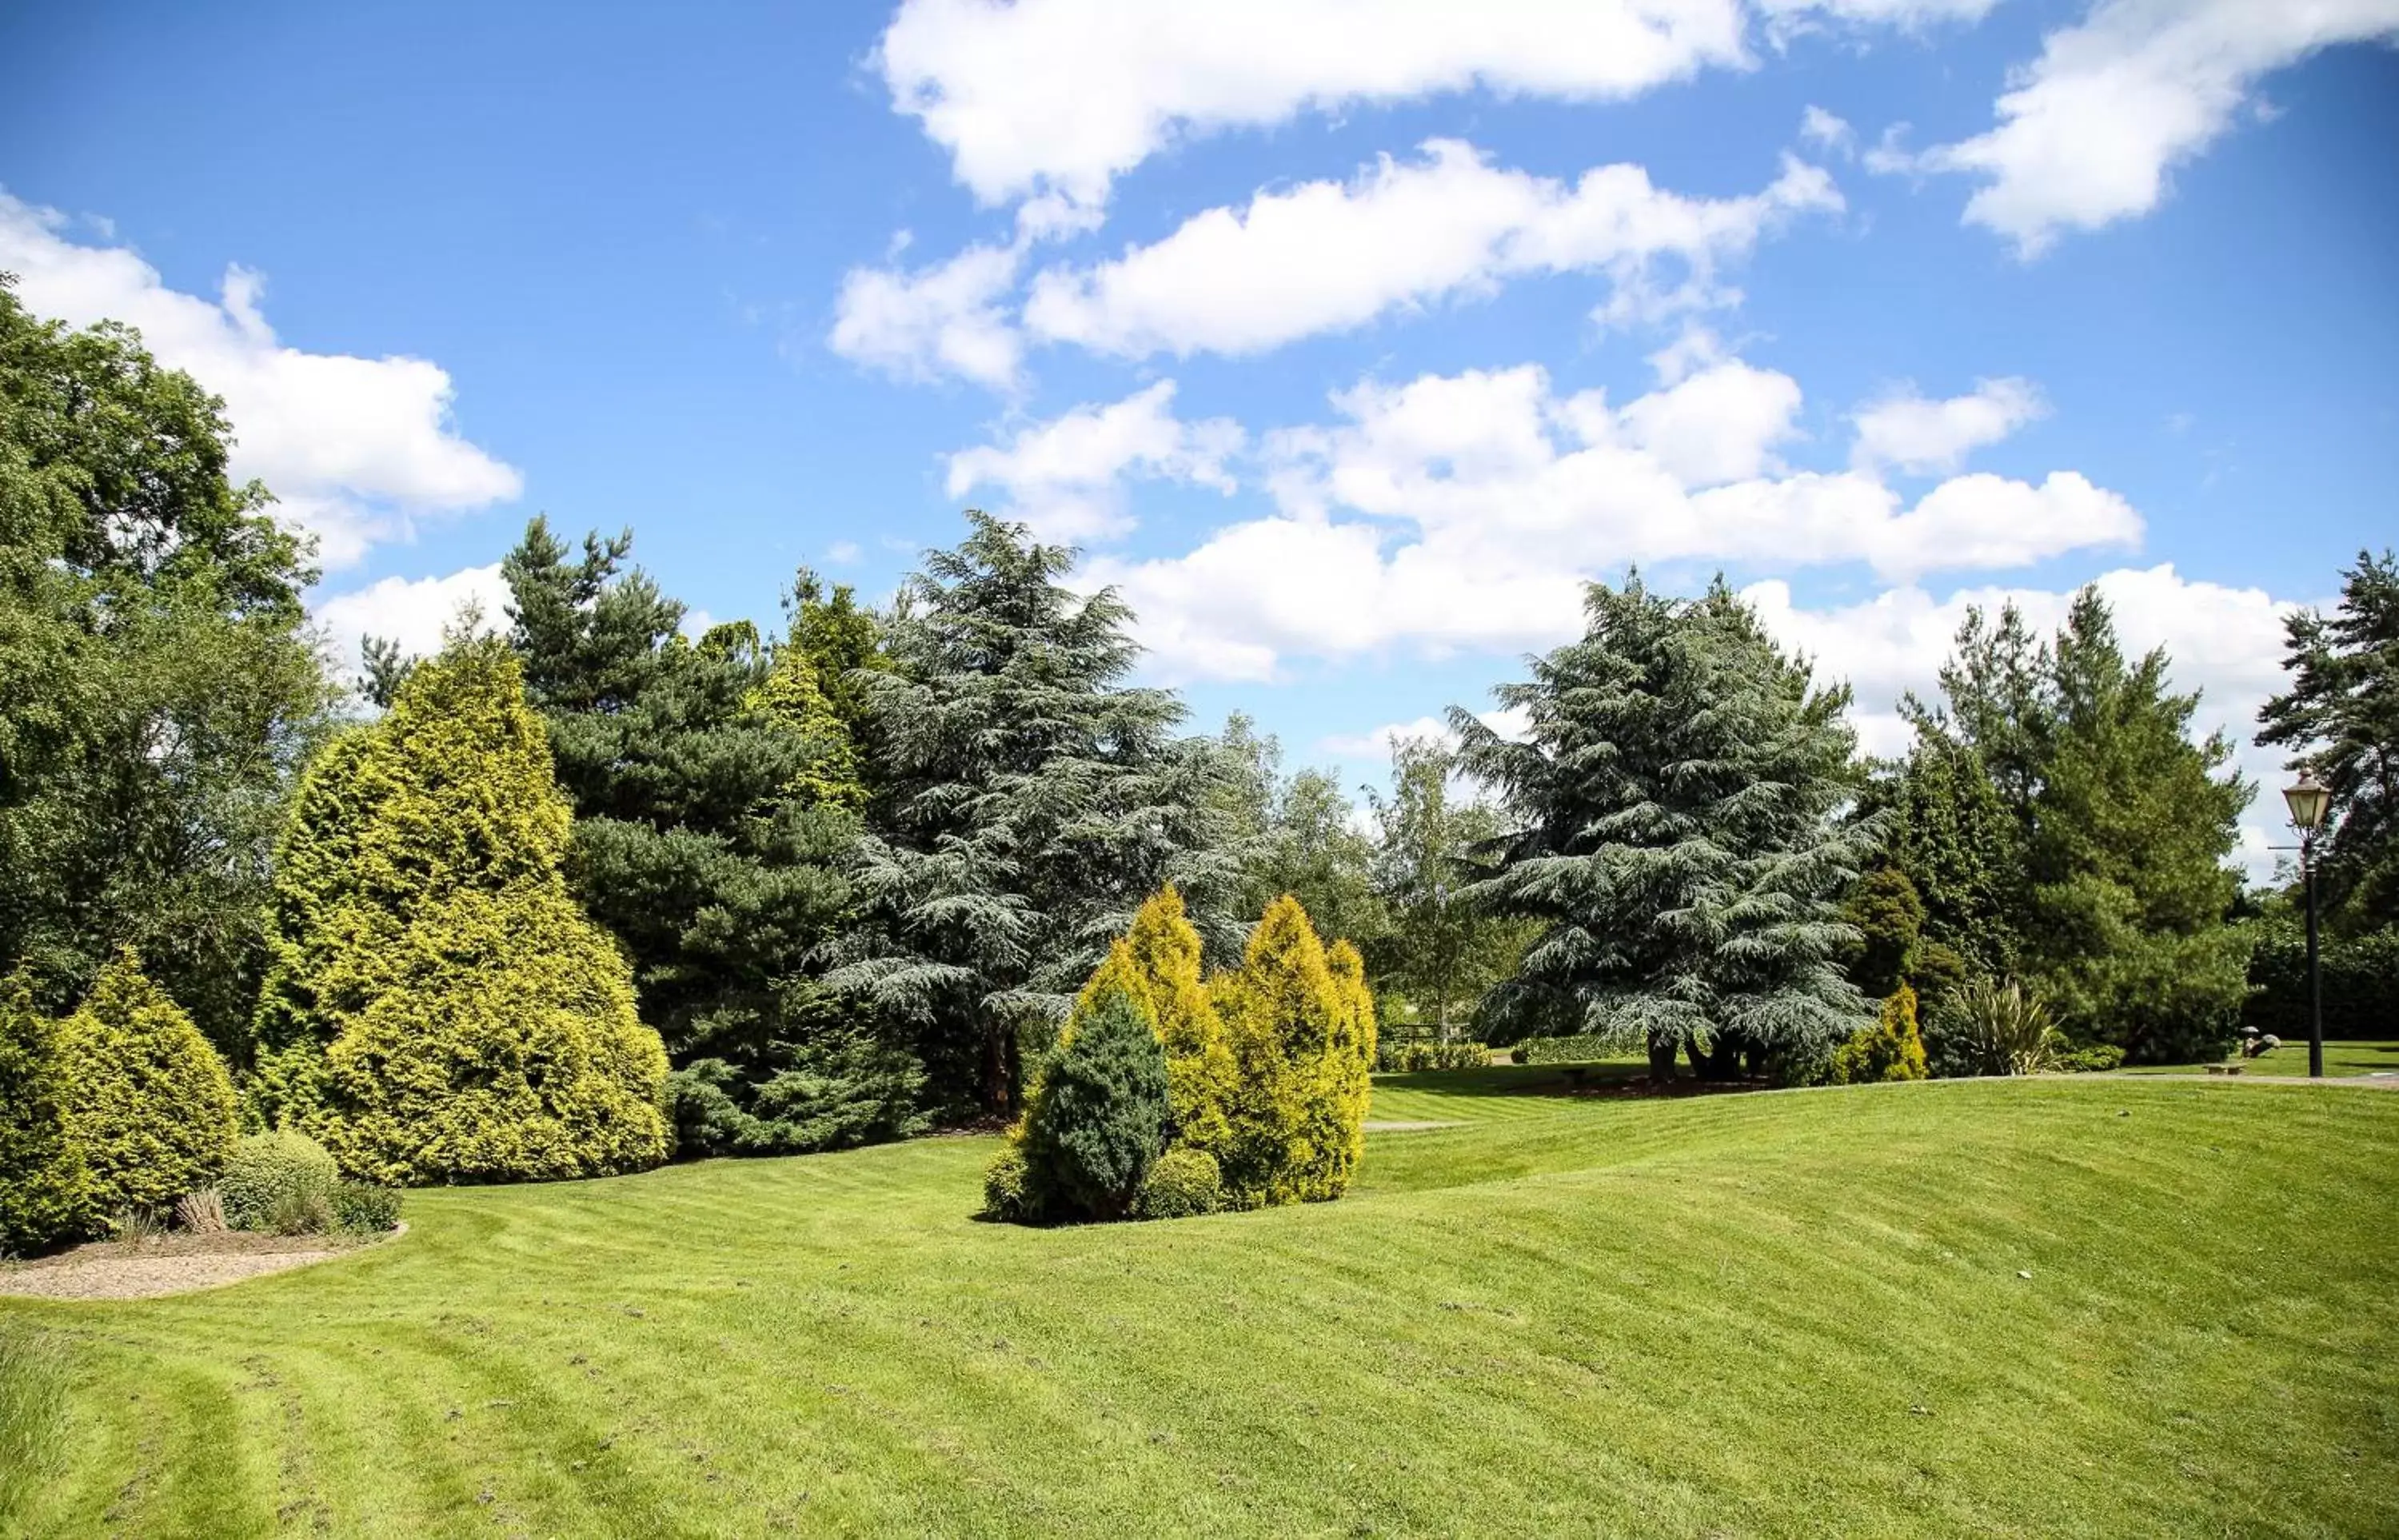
(1348, 339)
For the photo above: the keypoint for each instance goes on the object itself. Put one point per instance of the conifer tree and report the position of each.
(448, 1011)
(1099, 1115)
(1340, 1132)
(1890, 1049)
(149, 1100)
(1028, 799)
(2340, 717)
(1158, 961)
(44, 1186)
(2125, 823)
(1675, 837)
(1284, 1018)
(716, 791)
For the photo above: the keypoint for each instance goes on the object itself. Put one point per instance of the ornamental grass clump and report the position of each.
(2006, 1029)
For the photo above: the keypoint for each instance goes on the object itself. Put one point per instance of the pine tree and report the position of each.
(2340, 718)
(149, 1100)
(45, 1184)
(2123, 823)
(1675, 836)
(1028, 802)
(1099, 1115)
(445, 1011)
(1959, 846)
(715, 792)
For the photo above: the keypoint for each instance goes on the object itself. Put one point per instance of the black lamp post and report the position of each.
(2309, 800)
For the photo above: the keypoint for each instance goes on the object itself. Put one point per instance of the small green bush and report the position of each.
(2095, 1058)
(1580, 1048)
(1181, 1183)
(1099, 1117)
(148, 1100)
(270, 1172)
(45, 1189)
(1008, 1189)
(362, 1209)
(1417, 1056)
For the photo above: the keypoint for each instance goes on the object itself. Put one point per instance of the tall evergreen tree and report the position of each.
(1675, 838)
(158, 687)
(2125, 823)
(2340, 718)
(149, 1104)
(441, 1009)
(716, 791)
(1029, 800)
(1959, 846)
(44, 1186)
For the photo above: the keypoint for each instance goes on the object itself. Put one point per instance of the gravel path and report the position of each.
(177, 1265)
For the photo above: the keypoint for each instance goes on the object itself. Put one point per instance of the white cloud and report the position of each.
(409, 611)
(1065, 476)
(2089, 131)
(1827, 132)
(1327, 255)
(1508, 721)
(928, 322)
(353, 448)
(1908, 432)
(1066, 95)
(1465, 511)
(2225, 641)
(1785, 16)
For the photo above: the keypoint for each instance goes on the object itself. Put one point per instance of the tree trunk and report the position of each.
(1662, 1058)
(1720, 1060)
(1001, 1070)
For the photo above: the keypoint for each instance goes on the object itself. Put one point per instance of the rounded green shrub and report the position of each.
(148, 1100)
(1100, 1115)
(270, 1172)
(1008, 1189)
(1181, 1182)
(45, 1189)
(365, 1210)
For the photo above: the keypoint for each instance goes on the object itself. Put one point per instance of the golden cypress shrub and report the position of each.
(1340, 1134)
(440, 1009)
(1890, 1049)
(1158, 961)
(45, 1186)
(149, 1100)
(1281, 1012)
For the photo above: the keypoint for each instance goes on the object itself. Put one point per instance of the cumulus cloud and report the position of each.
(1827, 132)
(1065, 476)
(2088, 132)
(1905, 431)
(926, 322)
(1063, 96)
(2225, 641)
(353, 448)
(410, 611)
(1326, 256)
(1465, 511)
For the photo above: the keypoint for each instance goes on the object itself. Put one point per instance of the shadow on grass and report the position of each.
(1611, 1078)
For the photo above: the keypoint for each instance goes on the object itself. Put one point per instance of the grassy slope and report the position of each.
(1787, 1314)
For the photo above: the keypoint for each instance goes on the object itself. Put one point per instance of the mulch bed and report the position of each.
(168, 1264)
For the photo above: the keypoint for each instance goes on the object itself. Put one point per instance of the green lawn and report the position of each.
(2292, 1059)
(1782, 1314)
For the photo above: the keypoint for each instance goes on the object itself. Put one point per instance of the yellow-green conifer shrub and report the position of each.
(1340, 1123)
(1890, 1049)
(444, 1010)
(1158, 961)
(45, 1186)
(1281, 1012)
(149, 1100)
(315, 867)
(792, 695)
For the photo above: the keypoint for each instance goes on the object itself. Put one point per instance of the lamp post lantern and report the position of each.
(2308, 799)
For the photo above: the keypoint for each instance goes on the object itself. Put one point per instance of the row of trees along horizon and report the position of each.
(848, 873)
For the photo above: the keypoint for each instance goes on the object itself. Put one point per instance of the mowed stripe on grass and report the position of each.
(1760, 1313)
